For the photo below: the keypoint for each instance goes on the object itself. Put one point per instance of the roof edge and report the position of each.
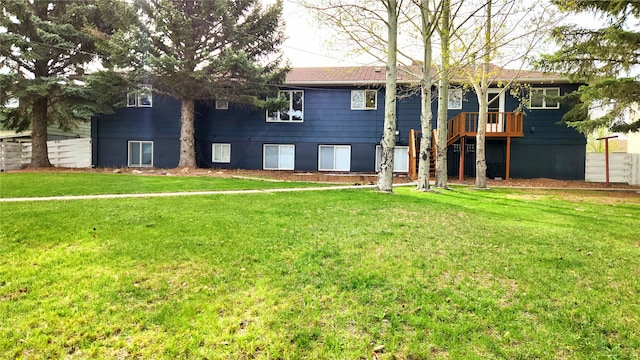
(559, 80)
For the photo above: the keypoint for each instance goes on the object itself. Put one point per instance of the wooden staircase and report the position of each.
(499, 125)
(414, 149)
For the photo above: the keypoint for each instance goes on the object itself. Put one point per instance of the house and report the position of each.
(335, 122)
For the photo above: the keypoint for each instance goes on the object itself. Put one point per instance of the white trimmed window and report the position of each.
(295, 110)
(334, 158)
(364, 99)
(540, 98)
(278, 157)
(12, 103)
(222, 104)
(142, 97)
(140, 153)
(455, 99)
(400, 158)
(221, 153)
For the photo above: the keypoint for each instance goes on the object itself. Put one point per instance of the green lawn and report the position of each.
(28, 184)
(462, 274)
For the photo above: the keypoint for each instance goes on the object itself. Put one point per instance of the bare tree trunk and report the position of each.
(39, 122)
(187, 139)
(39, 151)
(426, 121)
(441, 141)
(426, 115)
(481, 161)
(443, 98)
(385, 177)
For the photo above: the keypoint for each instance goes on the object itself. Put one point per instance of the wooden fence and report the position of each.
(72, 153)
(623, 168)
(10, 155)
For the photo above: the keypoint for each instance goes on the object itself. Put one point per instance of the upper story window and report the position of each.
(294, 112)
(142, 97)
(540, 98)
(364, 99)
(455, 99)
(222, 104)
(12, 103)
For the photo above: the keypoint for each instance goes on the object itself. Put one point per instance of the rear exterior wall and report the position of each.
(548, 149)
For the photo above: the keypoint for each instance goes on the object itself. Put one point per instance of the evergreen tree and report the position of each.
(606, 58)
(205, 50)
(44, 50)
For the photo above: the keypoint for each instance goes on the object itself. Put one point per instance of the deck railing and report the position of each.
(499, 124)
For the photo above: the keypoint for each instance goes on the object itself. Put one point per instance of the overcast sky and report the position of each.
(306, 46)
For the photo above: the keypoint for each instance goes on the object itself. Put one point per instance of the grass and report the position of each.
(35, 184)
(504, 274)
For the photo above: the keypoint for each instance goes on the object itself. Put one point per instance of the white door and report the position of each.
(495, 120)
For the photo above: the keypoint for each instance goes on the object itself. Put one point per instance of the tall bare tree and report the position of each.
(506, 32)
(362, 24)
(481, 89)
(428, 21)
(443, 95)
(385, 176)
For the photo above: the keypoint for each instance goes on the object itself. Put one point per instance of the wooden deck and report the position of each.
(499, 125)
(504, 125)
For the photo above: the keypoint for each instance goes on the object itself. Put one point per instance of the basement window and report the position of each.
(400, 158)
(140, 153)
(278, 157)
(334, 158)
(221, 153)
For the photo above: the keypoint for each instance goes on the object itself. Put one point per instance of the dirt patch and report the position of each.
(272, 175)
(548, 183)
(343, 178)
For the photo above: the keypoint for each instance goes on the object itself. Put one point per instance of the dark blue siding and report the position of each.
(542, 126)
(556, 161)
(160, 124)
(328, 120)
(548, 149)
(565, 162)
(408, 117)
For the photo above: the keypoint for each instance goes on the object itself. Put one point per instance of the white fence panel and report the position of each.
(10, 156)
(623, 168)
(634, 159)
(72, 153)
